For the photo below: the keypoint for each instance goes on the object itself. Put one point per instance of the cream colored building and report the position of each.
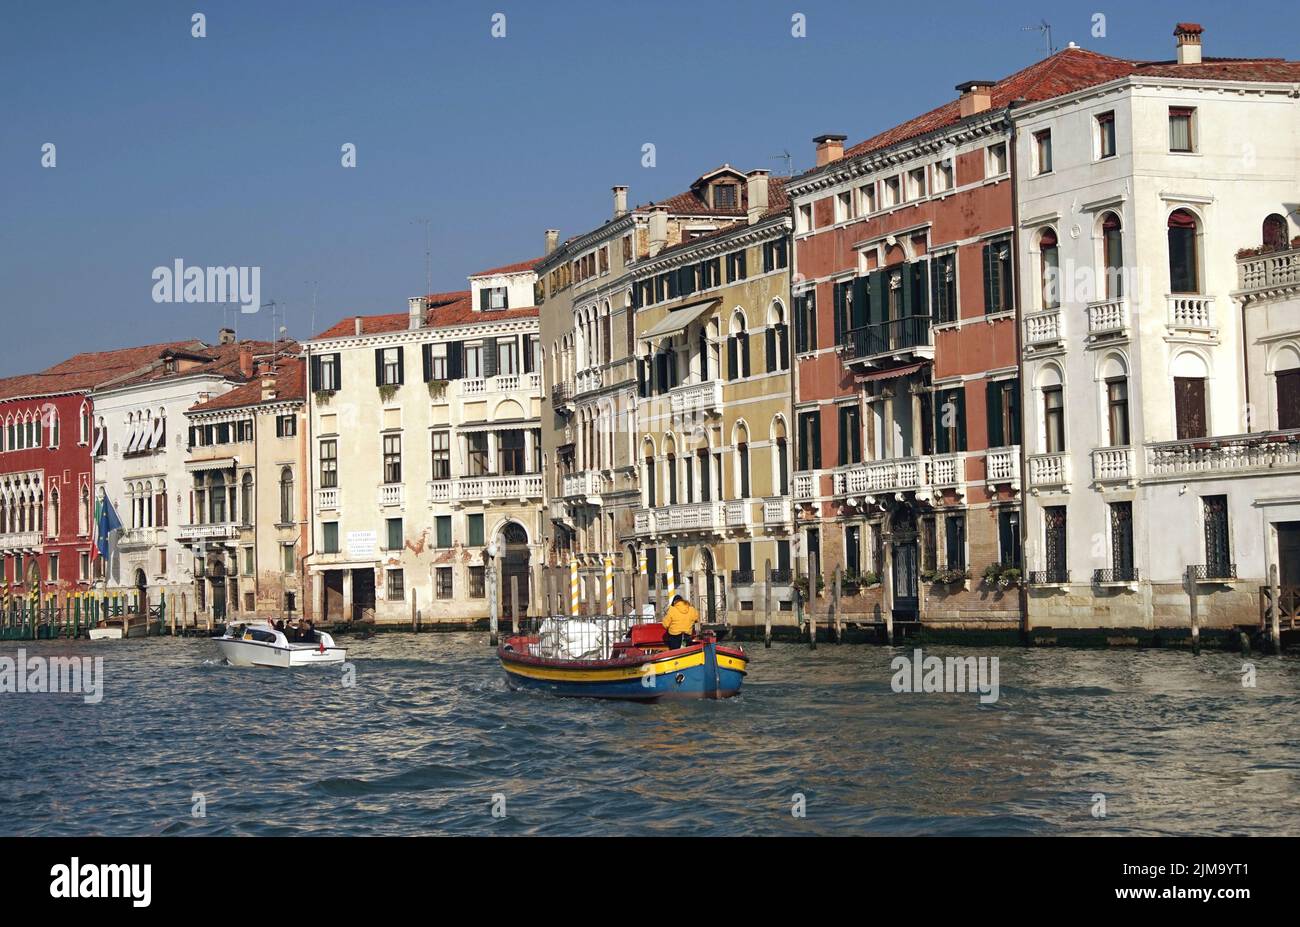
(714, 410)
(588, 328)
(424, 448)
(248, 465)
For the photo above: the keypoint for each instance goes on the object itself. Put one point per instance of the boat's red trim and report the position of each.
(517, 656)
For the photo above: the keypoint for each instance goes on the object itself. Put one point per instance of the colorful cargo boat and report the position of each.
(616, 659)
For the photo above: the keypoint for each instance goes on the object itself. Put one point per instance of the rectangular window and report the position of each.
(477, 582)
(853, 550)
(1003, 412)
(508, 357)
(804, 218)
(929, 543)
(394, 526)
(1054, 531)
(950, 420)
(1054, 419)
(392, 458)
(327, 372)
(510, 453)
(52, 562)
(1218, 549)
(442, 531)
(1117, 411)
(1189, 407)
(1182, 128)
(850, 435)
(943, 176)
(441, 441)
(473, 361)
(810, 441)
(916, 187)
(1009, 537)
(288, 558)
(248, 561)
(329, 464)
(1121, 542)
(494, 298)
(1043, 152)
(1288, 399)
(389, 366)
(944, 281)
(443, 583)
(997, 276)
(286, 426)
(843, 206)
(736, 266)
(997, 159)
(477, 453)
(330, 537)
(893, 191)
(805, 322)
(867, 199)
(437, 359)
(396, 585)
(83, 567)
(954, 541)
(1106, 135)
(474, 524)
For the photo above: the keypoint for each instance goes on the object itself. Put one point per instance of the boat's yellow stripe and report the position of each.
(579, 674)
(731, 663)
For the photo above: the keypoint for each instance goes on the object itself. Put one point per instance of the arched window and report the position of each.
(1286, 375)
(738, 347)
(160, 505)
(1112, 252)
(83, 512)
(670, 468)
(1184, 260)
(217, 498)
(1114, 378)
(84, 435)
(780, 456)
(1274, 233)
(53, 520)
(740, 437)
(649, 473)
(246, 500)
(777, 339)
(1049, 269)
(286, 496)
(1052, 390)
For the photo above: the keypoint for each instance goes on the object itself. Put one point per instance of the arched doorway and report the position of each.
(217, 570)
(141, 591)
(709, 592)
(904, 563)
(515, 557)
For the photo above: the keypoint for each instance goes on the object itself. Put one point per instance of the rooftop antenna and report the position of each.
(428, 255)
(787, 158)
(1046, 29)
(312, 333)
(275, 314)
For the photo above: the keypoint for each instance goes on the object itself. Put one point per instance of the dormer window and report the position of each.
(724, 196)
(493, 298)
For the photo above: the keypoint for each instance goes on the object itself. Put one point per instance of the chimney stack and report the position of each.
(552, 240)
(246, 361)
(416, 307)
(976, 97)
(356, 326)
(226, 336)
(268, 389)
(658, 229)
(829, 148)
(756, 194)
(620, 202)
(1189, 42)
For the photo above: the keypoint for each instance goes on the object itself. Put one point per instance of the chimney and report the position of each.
(620, 202)
(416, 307)
(976, 97)
(226, 336)
(829, 148)
(1189, 42)
(356, 327)
(756, 194)
(268, 389)
(552, 239)
(246, 361)
(658, 229)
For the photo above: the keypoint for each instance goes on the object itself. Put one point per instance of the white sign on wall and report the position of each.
(363, 545)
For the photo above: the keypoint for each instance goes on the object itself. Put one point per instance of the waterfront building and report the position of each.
(425, 455)
(247, 468)
(1160, 374)
(713, 413)
(140, 452)
(588, 327)
(907, 432)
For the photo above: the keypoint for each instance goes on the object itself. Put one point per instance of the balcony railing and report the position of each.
(486, 489)
(780, 576)
(696, 398)
(737, 513)
(1107, 317)
(140, 537)
(561, 393)
(776, 510)
(1273, 271)
(1115, 575)
(588, 381)
(1190, 312)
(20, 540)
(671, 519)
(909, 335)
(327, 498)
(501, 383)
(947, 471)
(1053, 577)
(1214, 572)
(220, 531)
(1044, 328)
(1259, 451)
(742, 577)
(1049, 471)
(585, 484)
(803, 485)
(1003, 465)
(1112, 464)
(392, 494)
(882, 476)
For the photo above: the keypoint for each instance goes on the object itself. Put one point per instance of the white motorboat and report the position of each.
(261, 644)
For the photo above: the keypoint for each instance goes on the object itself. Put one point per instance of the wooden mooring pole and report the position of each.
(835, 606)
(767, 604)
(813, 575)
(1196, 619)
(1275, 630)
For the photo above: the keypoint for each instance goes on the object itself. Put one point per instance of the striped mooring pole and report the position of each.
(670, 580)
(573, 588)
(609, 585)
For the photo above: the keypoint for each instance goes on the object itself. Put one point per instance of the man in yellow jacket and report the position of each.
(679, 622)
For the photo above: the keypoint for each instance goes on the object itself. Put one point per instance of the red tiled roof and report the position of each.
(778, 201)
(290, 386)
(90, 369)
(445, 309)
(218, 360)
(516, 268)
(1268, 70)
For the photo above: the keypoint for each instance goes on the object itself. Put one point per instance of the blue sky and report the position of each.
(226, 149)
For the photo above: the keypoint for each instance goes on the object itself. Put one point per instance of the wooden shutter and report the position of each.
(733, 358)
(993, 393)
(526, 346)
(315, 376)
(1012, 397)
(988, 279)
(489, 358)
(1189, 407)
(769, 345)
(379, 367)
(401, 365)
(940, 433)
(483, 298)
(877, 307)
(960, 399)
(426, 361)
(455, 360)
(1288, 399)
(920, 283)
(858, 311)
(641, 390)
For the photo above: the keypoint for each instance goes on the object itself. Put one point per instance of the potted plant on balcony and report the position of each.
(801, 586)
(323, 396)
(437, 389)
(1001, 576)
(851, 583)
(947, 577)
(388, 390)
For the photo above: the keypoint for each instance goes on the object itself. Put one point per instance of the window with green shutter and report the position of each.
(475, 530)
(442, 525)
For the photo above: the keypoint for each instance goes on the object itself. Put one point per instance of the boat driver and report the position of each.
(679, 622)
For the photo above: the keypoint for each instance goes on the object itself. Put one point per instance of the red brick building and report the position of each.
(906, 395)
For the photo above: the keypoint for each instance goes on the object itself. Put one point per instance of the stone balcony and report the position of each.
(1113, 465)
(486, 489)
(1213, 458)
(1044, 329)
(219, 531)
(924, 475)
(327, 500)
(1002, 466)
(136, 538)
(502, 383)
(1108, 318)
(391, 494)
(884, 344)
(20, 541)
(1049, 472)
(584, 486)
(1271, 273)
(680, 519)
(1190, 313)
(776, 512)
(696, 398)
(805, 486)
(588, 381)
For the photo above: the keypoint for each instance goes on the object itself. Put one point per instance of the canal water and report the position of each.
(429, 740)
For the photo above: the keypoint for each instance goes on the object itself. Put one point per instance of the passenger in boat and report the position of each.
(679, 622)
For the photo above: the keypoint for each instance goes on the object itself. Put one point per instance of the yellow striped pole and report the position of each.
(670, 584)
(609, 585)
(573, 588)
